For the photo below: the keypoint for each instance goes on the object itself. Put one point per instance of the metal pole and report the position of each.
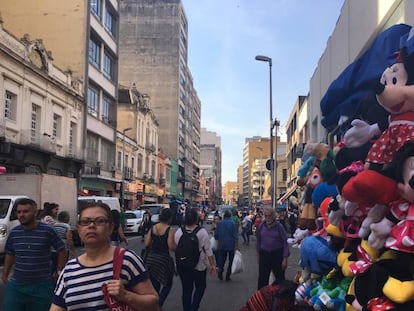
(271, 125)
(272, 172)
(261, 173)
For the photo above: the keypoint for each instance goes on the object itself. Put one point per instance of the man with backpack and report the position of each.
(227, 236)
(192, 256)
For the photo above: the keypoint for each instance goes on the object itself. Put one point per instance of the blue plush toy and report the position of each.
(317, 255)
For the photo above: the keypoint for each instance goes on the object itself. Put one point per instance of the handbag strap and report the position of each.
(117, 261)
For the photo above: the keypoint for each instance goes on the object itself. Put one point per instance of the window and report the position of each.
(146, 165)
(72, 142)
(107, 154)
(139, 166)
(108, 66)
(94, 52)
(10, 106)
(284, 174)
(57, 125)
(118, 161)
(107, 107)
(153, 168)
(34, 123)
(93, 101)
(110, 22)
(92, 147)
(96, 6)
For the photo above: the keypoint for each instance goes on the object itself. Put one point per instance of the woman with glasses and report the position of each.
(272, 248)
(79, 285)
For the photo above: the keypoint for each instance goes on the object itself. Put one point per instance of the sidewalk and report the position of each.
(221, 295)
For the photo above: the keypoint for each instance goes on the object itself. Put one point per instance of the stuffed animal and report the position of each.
(395, 93)
(396, 230)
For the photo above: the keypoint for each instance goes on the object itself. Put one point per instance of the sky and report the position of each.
(224, 36)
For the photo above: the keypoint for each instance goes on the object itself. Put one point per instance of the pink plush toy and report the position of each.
(396, 230)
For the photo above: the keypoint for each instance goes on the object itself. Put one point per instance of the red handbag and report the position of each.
(112, 303)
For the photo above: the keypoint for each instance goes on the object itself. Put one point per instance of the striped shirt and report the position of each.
(62, 228)
(80, 287)
(31, 249)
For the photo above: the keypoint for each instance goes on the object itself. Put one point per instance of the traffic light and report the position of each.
(269, 164)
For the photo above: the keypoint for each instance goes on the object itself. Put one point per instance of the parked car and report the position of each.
(210, 218)
(155, 209)
(133, 221)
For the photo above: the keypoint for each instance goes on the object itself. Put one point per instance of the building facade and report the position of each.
(83, 36)
(210, 163)
(154, 41)
(41, 124)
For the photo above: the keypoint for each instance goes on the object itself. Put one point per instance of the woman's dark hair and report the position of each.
(63, 216)
(47, 209)
(191, 217)
(116, 218)
(99, 204)
(165, 215)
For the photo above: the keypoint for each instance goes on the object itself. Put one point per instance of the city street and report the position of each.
(219, 295)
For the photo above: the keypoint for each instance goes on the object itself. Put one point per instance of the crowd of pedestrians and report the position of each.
(54, 278)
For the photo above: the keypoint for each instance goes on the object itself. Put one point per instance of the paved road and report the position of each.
(219, 295)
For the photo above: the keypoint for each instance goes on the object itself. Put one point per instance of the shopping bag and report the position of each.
(213, 243)
(237, 265)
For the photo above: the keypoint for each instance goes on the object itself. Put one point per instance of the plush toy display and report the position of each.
(362, 185)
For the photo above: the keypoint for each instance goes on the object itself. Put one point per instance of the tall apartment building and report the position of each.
(83, 36)
(255, 148)
(230, 193)
(210, 163)
(154, 43)
(297, 133)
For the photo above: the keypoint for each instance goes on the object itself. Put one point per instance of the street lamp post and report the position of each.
(261, 172)
(123, 167)
(272, 164)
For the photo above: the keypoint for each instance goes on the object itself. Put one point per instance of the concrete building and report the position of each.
(41, 124)
(154, 43)
(210, 163)
(240, 185)
(83, 36)
(297, 134)
(230, 193)
(141, 165)
(254, 148)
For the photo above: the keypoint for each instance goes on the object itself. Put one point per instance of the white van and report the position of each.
(8, 217)
(112, 202)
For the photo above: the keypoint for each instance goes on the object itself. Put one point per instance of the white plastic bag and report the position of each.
(237, 265)
(213, 243)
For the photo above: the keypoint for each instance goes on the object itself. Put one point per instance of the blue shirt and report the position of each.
(31, 248)
(226, 234)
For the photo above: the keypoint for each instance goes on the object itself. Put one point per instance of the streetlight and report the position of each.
(261, 172)
(123, 166)
(272, 165)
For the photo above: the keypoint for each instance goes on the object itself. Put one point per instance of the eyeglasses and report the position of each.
(97, 221)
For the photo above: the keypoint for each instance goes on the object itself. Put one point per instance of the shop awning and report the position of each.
(288, 193)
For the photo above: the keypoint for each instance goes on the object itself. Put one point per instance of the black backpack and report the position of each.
(187, 252)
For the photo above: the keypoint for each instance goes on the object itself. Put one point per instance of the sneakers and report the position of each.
(220, 275)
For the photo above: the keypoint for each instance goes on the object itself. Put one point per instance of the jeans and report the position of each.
(223, 257)
(162, 291)
(189, 280)
(245, 234)
(270, 261)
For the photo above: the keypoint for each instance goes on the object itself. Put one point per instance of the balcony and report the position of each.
(43, 142)
(150, 147)
(74, 153)
(128, 173)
